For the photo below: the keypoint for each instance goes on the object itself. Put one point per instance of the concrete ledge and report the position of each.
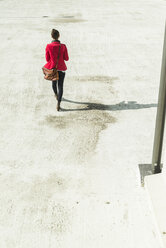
(156, 188)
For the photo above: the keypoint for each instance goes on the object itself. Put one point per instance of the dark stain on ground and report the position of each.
(80, 130)
(105, 79)
(65, 16)
(84, 123)
(41, 189)
(67, 20)
(93, 118)
(56, 121)
(88, 118)
(80, 123)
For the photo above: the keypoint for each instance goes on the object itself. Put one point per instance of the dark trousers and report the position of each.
(59, 84)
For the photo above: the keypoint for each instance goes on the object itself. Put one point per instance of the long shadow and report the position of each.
(116, 107)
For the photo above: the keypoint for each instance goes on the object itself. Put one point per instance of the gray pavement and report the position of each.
(71, 178)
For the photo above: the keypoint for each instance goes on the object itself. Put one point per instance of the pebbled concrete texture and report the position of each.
(71, 178)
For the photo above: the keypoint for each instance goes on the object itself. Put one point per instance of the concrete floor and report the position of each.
(71, 178)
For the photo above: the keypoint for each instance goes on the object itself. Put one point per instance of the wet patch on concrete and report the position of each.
(45, 188)
(91, 118)
(105, 79)
(80, 132)
(66, 19)
(79, 123)
(56, 121)
(37, 189)
(68, 16)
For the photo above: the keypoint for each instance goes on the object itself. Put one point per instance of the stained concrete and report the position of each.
(71, 178)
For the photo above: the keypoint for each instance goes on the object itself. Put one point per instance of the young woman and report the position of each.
(57, 52)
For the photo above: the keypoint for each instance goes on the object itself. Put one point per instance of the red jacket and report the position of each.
(52, 54)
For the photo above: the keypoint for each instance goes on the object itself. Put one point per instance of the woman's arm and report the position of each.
(47, 54)
(65, 55)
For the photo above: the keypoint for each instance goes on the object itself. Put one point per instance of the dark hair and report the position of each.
(55, 34)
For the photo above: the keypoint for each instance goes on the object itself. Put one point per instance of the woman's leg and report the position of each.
(54, 87)
(60, 85)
